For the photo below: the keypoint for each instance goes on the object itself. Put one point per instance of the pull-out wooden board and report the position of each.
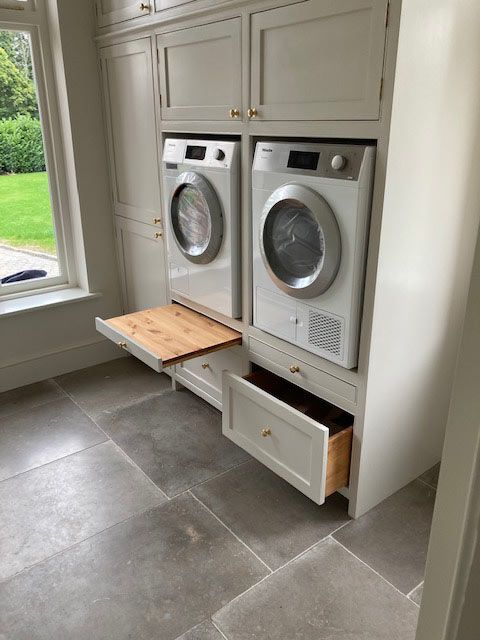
(164, 336)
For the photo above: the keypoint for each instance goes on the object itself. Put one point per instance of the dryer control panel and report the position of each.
(323, 160)
(200, 153)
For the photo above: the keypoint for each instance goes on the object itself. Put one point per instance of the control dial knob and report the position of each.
(218, 154)
(338, 162)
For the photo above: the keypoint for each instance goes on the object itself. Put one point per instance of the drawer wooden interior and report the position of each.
(338, 421)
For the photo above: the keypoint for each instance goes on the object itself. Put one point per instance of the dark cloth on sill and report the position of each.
(28, 274)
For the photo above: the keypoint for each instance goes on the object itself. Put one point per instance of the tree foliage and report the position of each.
(21, 145)
(17, 93)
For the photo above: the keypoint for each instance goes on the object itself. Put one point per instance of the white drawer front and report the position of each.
(205, 373)
(293, 445)
(126, 343)
(319, 382)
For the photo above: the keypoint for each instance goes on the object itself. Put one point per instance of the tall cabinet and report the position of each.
(130, 111)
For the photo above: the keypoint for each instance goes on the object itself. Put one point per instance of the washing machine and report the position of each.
(202, 220)
(311, 210)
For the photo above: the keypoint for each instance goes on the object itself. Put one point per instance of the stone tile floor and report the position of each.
(126, 515)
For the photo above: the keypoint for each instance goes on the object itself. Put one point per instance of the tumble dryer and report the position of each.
(311, 210)
(201, 207)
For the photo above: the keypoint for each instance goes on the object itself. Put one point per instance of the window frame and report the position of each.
(35, 24)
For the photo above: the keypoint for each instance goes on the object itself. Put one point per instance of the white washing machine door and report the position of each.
(300, 241)
(196, 218)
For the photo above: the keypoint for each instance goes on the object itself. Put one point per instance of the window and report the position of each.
(33, 247)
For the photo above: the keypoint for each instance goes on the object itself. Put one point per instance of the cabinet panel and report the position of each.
(131, 126)
(113, 11)
(200, 71)
(161, 5)
(318, 60)
(142, 265)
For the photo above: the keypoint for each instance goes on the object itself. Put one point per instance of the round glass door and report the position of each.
(196, 218)
(300, 241)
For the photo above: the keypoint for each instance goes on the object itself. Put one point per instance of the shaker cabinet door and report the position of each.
(131, 127)
(161, 5)
(141, 258)
(200, 72)
(318, 60)
(113, 11)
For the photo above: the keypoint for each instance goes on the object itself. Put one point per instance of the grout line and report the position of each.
(427, 484)
(79, 542)
(233, 534)
(371, 569)
(35, 406)
(109, 439)
(199, 484)
(46, 464)
(414, 589)
(218, 629)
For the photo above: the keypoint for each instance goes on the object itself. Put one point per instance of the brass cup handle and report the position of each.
(205, 365)
(266, 431)
(234, 113)
(158, 235)
(122, 345)
(157, 220)
(252, 112)
(294, 368)
(144, 6)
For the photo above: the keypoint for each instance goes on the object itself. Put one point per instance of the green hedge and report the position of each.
(21, 145)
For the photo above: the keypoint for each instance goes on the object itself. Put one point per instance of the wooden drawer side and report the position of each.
(338, 460)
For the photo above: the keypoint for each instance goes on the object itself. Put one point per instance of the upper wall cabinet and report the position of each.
(200, 72)
(318, 60)
(113, 11)
(131, 127)
(161, 5)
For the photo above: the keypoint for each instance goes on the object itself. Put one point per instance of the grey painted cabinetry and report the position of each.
(131, 131)
(318, 60)
(141, 256)
(200, 71)
(113, 11)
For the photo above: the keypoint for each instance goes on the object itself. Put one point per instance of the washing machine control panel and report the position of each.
(323, 160)
(200, 153)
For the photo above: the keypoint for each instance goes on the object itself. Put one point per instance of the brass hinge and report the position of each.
(387, 13)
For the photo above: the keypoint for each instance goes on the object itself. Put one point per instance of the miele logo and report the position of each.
(172, 145)
(267, 149)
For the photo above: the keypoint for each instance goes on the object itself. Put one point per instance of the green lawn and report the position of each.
(25, 212)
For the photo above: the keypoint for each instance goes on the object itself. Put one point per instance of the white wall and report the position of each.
(39, 344)
(451, 599)
(430, 218)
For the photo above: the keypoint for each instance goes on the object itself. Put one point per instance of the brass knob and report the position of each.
(122, 345)
(266, 432)
(158, 235)
(157, 220)
(294, 368)
(252, 112)
(144, 6)
(205, 365)
(234, 113)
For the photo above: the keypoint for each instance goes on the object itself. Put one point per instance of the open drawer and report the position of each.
(168, 335)
(303, 439)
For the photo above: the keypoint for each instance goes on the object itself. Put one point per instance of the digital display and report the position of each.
(303, 160)
(195, 152)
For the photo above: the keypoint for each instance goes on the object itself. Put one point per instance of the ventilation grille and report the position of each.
(325, 332)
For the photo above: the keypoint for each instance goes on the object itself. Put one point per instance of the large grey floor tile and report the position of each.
(326, 594)
(150, 578)
(393, 537)
(52, 507)
(30, 396)
(106, 387)
(203, 631)
(33, 437)
(176, 438)
(431, 476)
(269, 515)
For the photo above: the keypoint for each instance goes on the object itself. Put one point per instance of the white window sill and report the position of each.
(44, 300)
